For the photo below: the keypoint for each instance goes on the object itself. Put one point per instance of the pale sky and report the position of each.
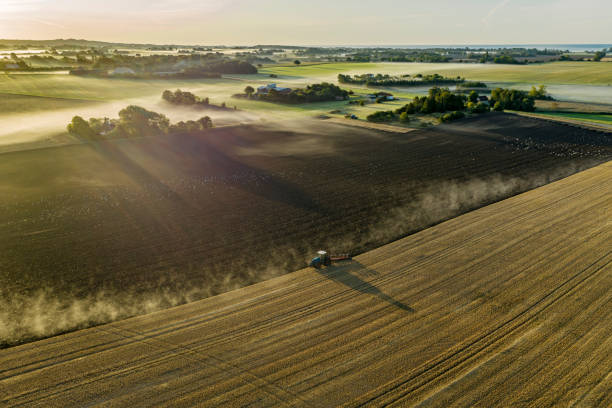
(311, 22)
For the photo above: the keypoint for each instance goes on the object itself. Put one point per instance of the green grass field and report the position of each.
(550, 73)
(56, 97)
(14, 103)
(23, 93)
(94, 89)
(584, 117)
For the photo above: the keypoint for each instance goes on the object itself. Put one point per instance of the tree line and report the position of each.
(512, 99)
(164, 66)
(323, 92)
(134, 121)
(185, 98)
(454, 105)
(404, 80)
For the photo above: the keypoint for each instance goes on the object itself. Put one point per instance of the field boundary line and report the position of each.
(592, 126)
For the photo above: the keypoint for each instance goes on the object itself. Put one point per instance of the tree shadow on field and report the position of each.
(260, 181)
(347, 273)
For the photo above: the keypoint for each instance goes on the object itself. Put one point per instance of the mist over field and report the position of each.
(31, 127)
(305, 203)
(281, 159)
(36, 119)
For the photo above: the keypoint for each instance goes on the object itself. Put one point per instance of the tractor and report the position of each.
(325, 259)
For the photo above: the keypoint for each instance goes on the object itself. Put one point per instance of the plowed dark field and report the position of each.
(506, 306)
(192, 216)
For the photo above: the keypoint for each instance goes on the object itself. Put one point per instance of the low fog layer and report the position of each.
(36, 126)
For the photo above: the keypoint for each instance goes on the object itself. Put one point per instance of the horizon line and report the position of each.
(310, 45)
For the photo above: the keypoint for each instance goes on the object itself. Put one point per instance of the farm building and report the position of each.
(484, 99)
(264, 90)
(385, 95)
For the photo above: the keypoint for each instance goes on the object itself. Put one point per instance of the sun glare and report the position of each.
(17, 6)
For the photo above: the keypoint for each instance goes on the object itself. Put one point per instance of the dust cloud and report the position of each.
(444, 200)
(45, 313)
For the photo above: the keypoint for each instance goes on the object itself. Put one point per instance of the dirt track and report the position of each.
(509, 305)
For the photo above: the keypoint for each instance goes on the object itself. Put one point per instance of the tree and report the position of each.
(137, 121)
(179, 97)
(297, 62)
(599, 55)
(80, 128)
(473, 96)
(477, 107)
(249, 90)
(437, 100)
(205, 122)
(512, 99)
(168, 96)
(539, 93)
(404, 118)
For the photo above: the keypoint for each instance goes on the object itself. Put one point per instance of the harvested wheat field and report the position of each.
(508, 305)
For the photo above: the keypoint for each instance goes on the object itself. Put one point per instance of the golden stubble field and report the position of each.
(508, 305)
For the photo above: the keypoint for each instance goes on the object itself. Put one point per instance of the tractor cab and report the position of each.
(322, 259)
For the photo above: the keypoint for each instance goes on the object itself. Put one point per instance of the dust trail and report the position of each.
(444, 200)
(45, 313)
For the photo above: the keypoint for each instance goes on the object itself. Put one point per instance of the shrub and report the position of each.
(448, 117)
(404, 118)
(381, 116)
(478, 107)
(472, 84)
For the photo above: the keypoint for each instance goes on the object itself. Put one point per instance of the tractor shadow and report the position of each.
(347, 273)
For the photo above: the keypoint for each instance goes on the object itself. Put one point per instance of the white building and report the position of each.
(266, 88)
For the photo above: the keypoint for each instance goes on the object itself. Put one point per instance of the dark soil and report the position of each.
(216, 211)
